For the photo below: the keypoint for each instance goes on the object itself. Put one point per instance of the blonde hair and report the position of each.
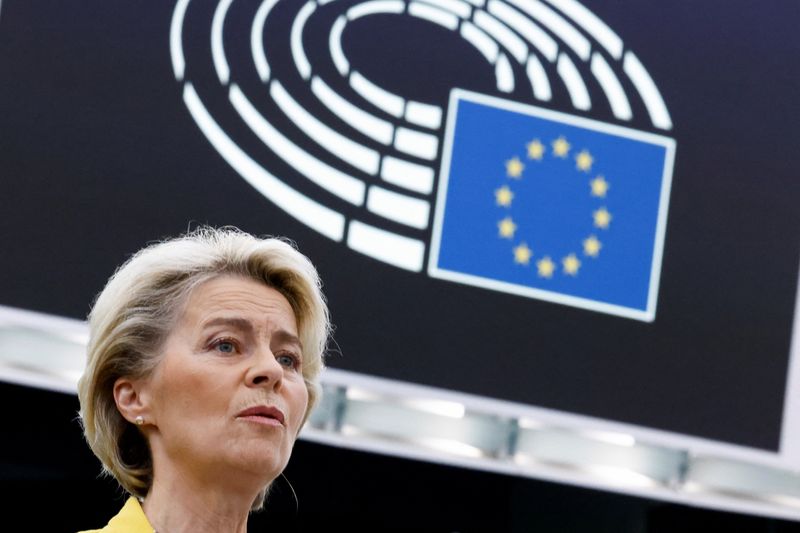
(142, 301)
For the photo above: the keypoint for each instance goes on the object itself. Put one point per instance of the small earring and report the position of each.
(139, 420)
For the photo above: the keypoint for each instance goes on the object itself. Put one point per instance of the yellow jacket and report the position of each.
(130, 519)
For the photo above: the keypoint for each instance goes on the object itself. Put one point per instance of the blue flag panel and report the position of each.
(551, 206)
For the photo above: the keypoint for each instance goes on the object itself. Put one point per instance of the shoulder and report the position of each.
(130, 519)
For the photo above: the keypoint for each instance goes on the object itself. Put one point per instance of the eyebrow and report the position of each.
(238, 323)
(245, 325)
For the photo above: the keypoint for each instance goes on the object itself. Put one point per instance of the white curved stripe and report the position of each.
(612, 87)
(176, 39)
(592, 24)
(408, 175)
(398, 207)
(384, 100)
(335, 44)
(342, 185)
(525, 27)
(481, 41)
(416, 143)
(502, 34)
(558, 25)
(539, 82)
(349, 151)
(385, 246)
(457, 7)
(477, 3)
(370, 125)
(318, 217)
(574, 83)
(256, 42)
(647, 89)
(504, 74)
(375, 7)
(296, 39)
(432, 14)
(429, 116)
(217, 47)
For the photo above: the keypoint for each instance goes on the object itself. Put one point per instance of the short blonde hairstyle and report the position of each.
(143, 301)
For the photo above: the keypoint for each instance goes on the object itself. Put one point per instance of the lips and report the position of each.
(265, 412)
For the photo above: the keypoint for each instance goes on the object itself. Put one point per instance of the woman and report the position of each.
(203, 361)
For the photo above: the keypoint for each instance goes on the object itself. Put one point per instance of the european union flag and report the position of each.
(551, 206)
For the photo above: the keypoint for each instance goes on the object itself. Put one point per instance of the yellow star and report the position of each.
(591, 246)
(602, 218)
(571, 264)
(561, 147)
(546, 267)
(535, 149)
(522, 254)
(584, 160)
(514, 167)
(503, 196)
(507, 228)
(599, 187)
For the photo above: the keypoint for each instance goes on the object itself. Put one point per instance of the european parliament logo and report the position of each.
(481, 191)
(551, 206)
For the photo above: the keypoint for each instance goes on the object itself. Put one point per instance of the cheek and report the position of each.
(192, 394)
(299, 400)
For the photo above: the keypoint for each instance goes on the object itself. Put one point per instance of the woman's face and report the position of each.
(228, 396)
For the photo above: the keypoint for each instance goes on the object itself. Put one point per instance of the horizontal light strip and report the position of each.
(426, 115)
(404, 209)
(444, 426)
(386, 246)
(416, 143)
(408, 175)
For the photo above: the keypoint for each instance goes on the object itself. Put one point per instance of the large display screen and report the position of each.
(586, 207)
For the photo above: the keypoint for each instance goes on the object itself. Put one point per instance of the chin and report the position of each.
(267, 462)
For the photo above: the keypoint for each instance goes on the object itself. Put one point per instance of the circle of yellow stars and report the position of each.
(546, 267)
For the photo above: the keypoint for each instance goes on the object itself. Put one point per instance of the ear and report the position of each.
(130, 395)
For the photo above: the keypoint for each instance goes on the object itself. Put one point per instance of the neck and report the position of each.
(178, 503)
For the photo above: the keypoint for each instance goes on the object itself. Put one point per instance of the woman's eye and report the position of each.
(225, 346)
(287, 360)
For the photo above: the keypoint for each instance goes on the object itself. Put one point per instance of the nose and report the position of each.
(264, 370)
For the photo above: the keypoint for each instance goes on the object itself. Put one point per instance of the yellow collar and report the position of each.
(130, 519)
